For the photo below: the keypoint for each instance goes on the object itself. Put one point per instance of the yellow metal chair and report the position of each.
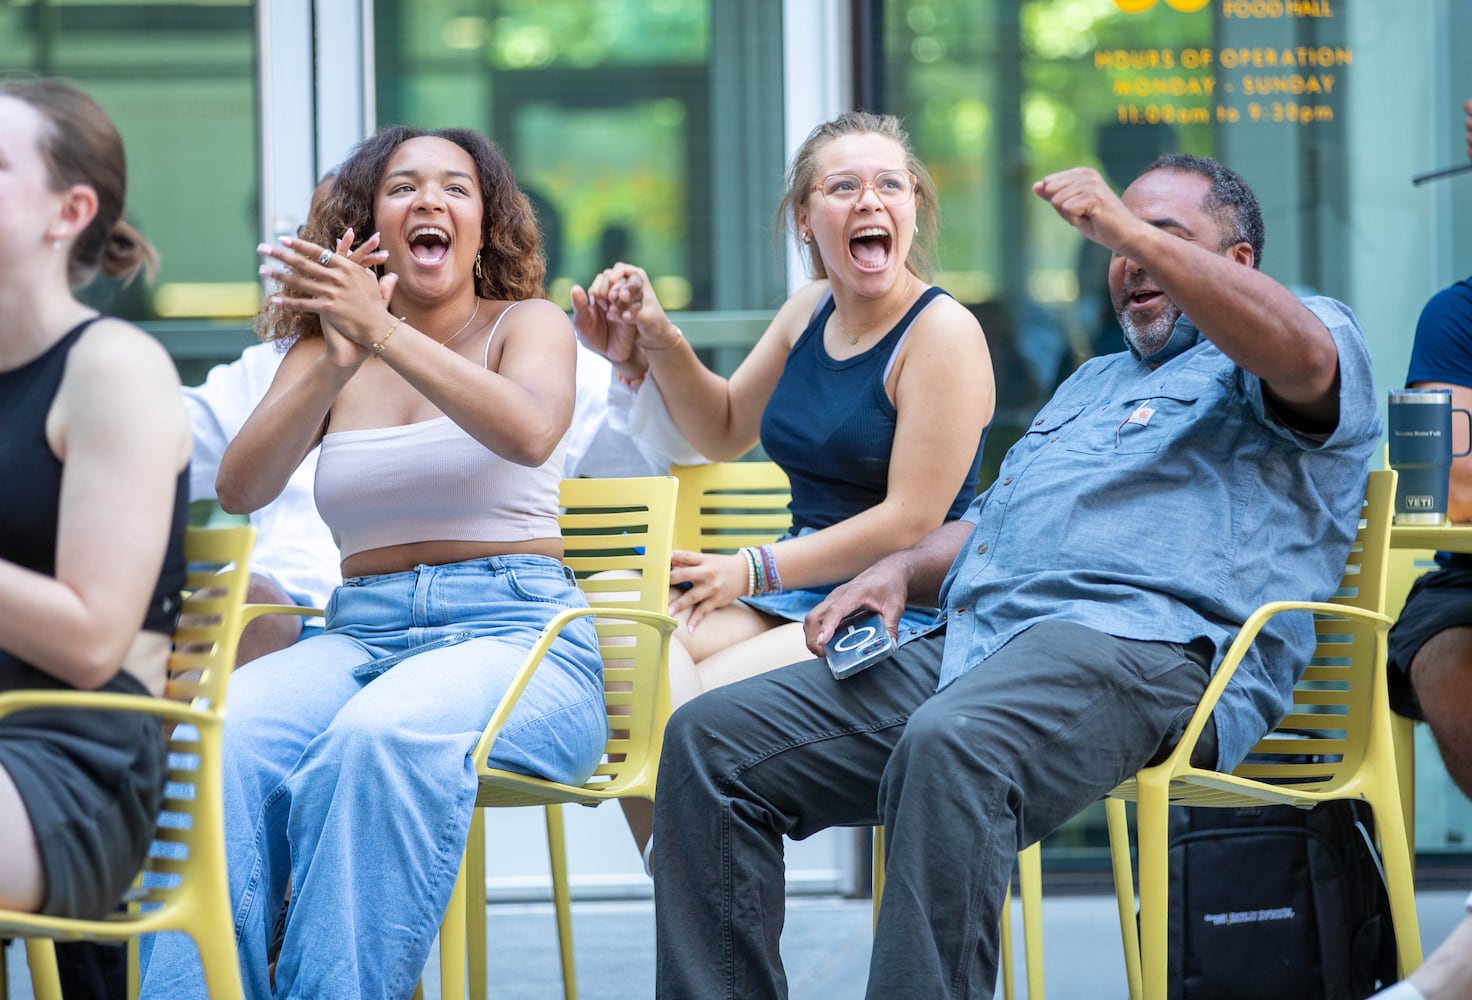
(196, 897)
(617, 537)
(1341, 700)
(1405, 567)
(726, 506)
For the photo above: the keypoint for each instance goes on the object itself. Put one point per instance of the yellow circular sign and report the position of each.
(1140, 6)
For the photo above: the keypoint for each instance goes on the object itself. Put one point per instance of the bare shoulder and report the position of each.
(946, 323)
(792, 318)
(535, 315)
(115, 352)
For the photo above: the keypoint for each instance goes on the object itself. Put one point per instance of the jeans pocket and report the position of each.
(544, 587)
(365, 672)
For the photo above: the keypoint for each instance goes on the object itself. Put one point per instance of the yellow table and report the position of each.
(1444, 537)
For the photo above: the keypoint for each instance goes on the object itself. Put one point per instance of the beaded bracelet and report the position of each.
(761, 571)
(750, 572)
(769, 563)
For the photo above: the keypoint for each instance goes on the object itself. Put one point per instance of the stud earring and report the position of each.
(807, 238)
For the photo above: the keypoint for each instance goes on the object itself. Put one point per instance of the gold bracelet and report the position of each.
(679, 336)
(378, 347)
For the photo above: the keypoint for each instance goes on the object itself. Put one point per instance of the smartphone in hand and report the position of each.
(860, 641)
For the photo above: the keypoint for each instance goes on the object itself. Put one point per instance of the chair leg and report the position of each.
(878, 870)
(1009, 984)
(1151, 818)
(41, 958)
(475, 906)
(1030, 887)
(1395, 854)
(1124, 890)
(562, 900)
(452, 942)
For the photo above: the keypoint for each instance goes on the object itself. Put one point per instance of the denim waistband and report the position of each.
(479, 566)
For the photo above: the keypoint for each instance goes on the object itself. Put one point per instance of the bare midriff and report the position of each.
(402, 558)
(148, 660)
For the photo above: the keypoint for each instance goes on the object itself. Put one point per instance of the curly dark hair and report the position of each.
(511, 261)
(1230, 201)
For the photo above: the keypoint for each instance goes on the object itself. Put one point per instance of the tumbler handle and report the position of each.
(1468, 415)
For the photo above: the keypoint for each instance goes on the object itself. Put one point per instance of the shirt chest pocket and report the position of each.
(1136, 423)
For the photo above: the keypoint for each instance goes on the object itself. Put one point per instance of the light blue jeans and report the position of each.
(348, 772)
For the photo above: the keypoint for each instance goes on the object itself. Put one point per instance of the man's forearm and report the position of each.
(926, 563)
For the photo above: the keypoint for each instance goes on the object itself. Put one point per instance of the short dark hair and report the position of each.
(1230, 200)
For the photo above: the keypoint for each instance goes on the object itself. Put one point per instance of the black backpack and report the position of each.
(1278, 902)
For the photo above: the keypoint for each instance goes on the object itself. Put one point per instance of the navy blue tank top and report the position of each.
(30, 498)
(830, 425)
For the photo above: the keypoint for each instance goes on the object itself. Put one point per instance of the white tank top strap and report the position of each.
(894, 354)
(485, 360)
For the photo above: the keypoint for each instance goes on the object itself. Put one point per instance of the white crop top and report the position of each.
(431, 481)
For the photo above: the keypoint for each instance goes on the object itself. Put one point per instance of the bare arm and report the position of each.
(1253, 319)
(720, 417)
(119, 428)
(285, 425)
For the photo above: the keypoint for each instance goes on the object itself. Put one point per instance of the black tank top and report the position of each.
(30, 481)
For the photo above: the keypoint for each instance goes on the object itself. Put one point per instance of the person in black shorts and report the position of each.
(1430, 654)
(92, 516)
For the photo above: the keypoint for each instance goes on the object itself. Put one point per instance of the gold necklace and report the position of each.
(464, 325)
(853, 338)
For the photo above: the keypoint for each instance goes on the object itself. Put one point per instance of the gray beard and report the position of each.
(1152, 336)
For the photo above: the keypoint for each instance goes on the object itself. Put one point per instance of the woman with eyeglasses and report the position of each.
(871, 388)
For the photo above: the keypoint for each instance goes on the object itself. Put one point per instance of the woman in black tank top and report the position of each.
(95, 450)
(871, 389)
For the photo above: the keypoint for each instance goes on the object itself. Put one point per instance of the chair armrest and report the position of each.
(165, 708)
(662, 623)
(251, 612)
(1179, 760)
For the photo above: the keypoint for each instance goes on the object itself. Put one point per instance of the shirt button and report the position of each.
(1007, 481)
(1037, 423)
(981, 549)
(960, 611)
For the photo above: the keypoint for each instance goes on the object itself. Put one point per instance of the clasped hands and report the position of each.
(339, 285)
(619, 317)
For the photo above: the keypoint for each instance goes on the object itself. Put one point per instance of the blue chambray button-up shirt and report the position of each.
(1160, 500)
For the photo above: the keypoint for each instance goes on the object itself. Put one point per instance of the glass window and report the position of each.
(632, 133)
(179, 80)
